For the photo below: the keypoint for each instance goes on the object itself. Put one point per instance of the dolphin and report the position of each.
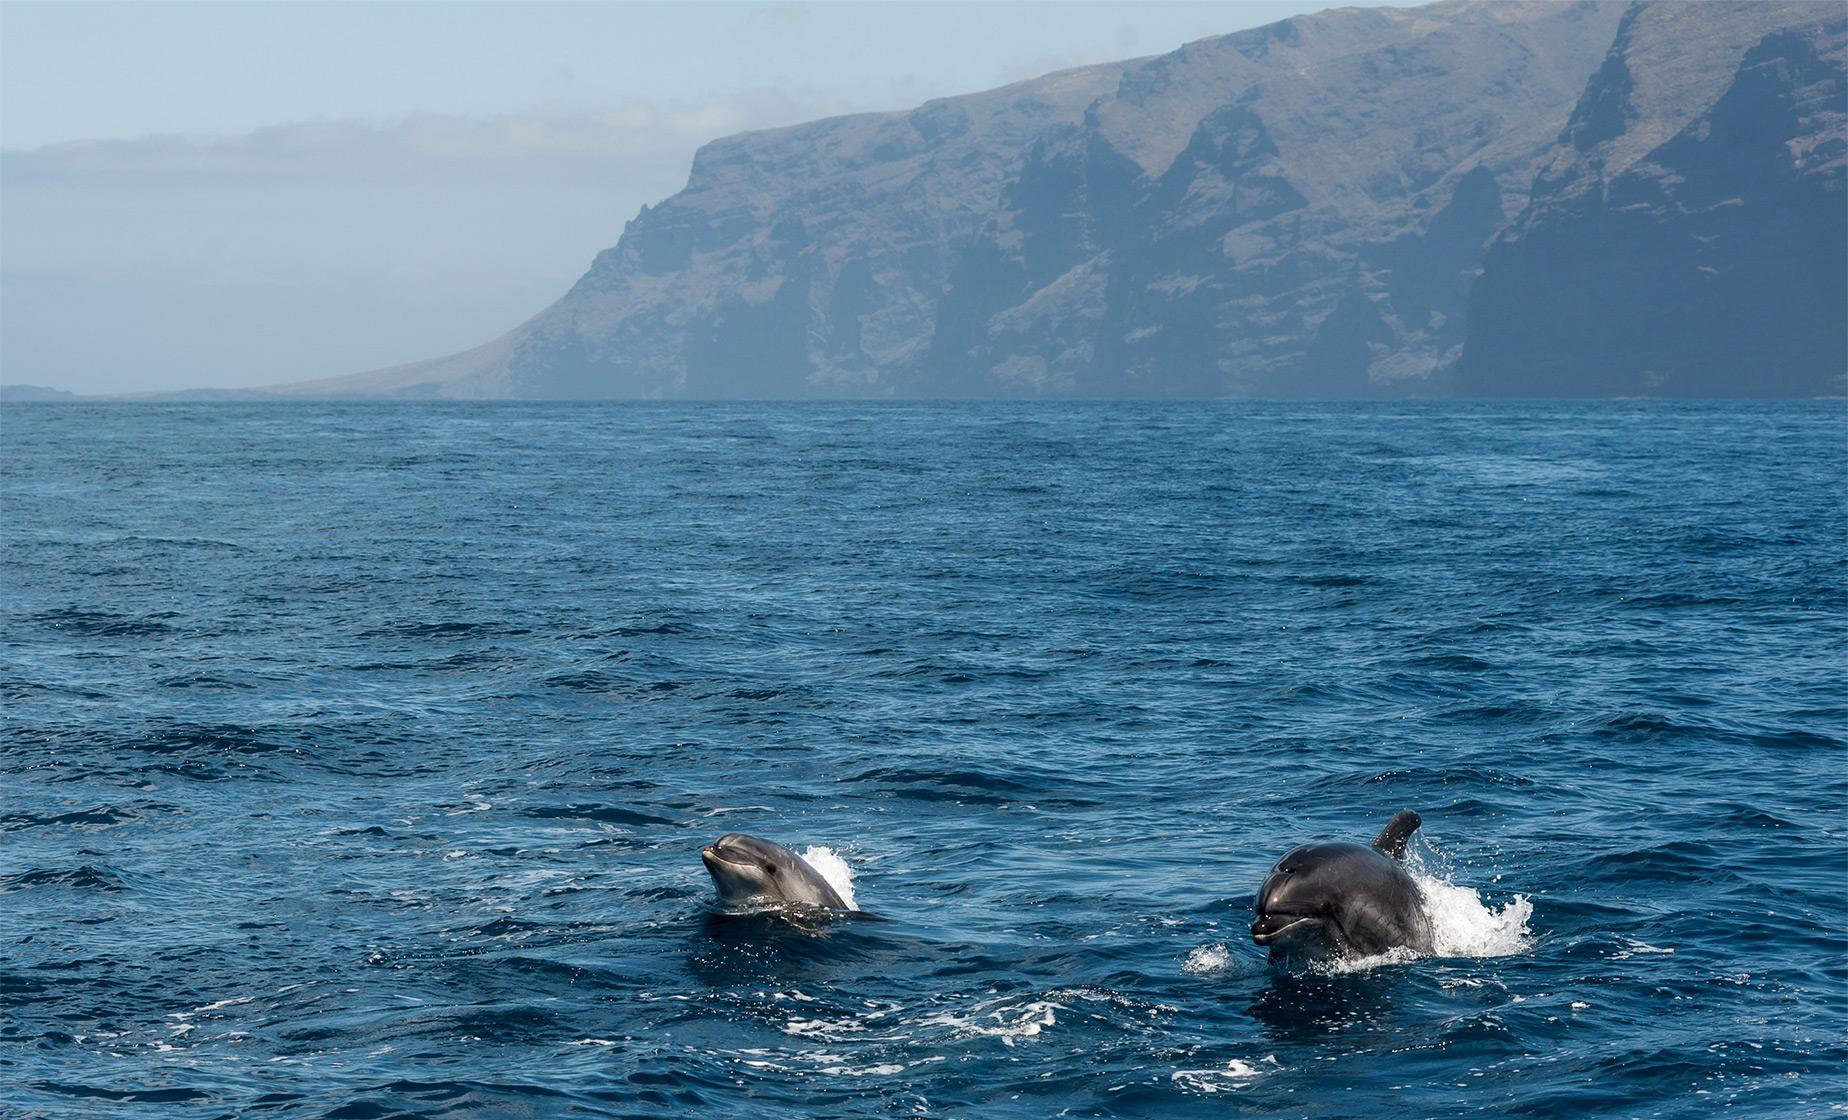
(1344, 900)
(751, 873)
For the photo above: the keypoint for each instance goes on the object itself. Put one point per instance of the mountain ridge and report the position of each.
(1301, 209)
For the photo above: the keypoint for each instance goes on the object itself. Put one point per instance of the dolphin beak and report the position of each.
(1270, 927)
(714, 855)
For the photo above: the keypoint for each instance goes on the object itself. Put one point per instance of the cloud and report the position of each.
(538, 143)
(776, 19)
(325, 247)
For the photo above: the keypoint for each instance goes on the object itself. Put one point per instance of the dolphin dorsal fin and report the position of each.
(1392, 839)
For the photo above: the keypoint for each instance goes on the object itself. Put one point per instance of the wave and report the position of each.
(606, 814)
(102, 816)
(84, 877)
(104, 624)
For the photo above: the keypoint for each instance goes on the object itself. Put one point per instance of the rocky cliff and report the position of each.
(1687, 236)
(1314, 233)
(1301, 209)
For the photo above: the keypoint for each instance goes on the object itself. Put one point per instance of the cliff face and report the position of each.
(1301, 209)
(1315, 234)
(806, 261)
(1687, 237)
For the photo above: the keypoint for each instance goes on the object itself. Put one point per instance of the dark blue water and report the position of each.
(356, 759)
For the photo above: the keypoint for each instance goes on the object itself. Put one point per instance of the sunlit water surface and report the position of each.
(356, 759)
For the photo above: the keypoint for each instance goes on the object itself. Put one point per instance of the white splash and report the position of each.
(1344, 965)
(825, 1030)
(874, 1025)
(834, 869)
(1237, 1074)
(1008, 1020)
(882, 1069)
(1463, 925)
(821, 1062)
(1208, 959)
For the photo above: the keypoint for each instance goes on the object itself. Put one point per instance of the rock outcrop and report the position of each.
(1302, 209)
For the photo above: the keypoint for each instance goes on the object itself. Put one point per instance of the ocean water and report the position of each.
(356, 759)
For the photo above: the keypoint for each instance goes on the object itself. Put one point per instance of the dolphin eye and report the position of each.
(770, 869)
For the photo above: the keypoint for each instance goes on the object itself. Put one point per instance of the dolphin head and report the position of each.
(748, 871)
(1300, 906)
(1337, 900)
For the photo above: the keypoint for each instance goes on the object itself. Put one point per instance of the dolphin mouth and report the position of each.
(720, 853)
(1271, 927)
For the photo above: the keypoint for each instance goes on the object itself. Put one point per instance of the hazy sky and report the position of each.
(223, 194)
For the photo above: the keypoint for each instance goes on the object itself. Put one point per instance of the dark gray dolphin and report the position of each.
(751, 873)
(1344, 900)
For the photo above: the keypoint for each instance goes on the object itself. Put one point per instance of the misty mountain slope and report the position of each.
(1316, 235)
(1299, 209)
(1687, 237)
(794, 258)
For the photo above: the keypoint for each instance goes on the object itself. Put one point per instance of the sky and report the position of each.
(244, 194)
